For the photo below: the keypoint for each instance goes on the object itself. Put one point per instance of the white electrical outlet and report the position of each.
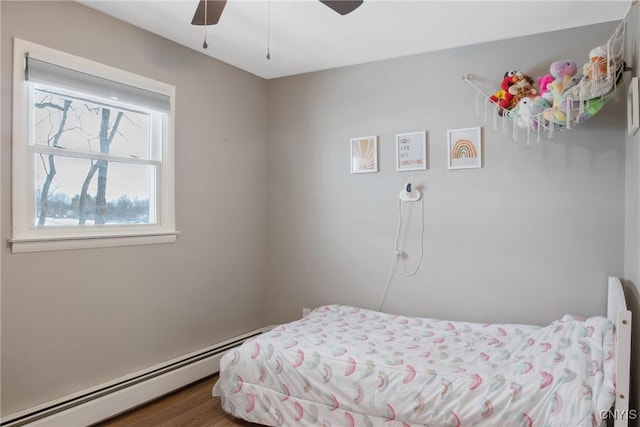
(305, 311)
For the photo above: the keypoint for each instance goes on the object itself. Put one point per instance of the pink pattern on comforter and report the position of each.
(343, 366)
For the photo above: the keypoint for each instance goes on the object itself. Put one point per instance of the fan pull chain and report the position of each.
(205, 44)
(268, 29)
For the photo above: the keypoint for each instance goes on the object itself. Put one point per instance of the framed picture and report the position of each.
(633, 107)
(411, 151)
(364, 154)
(465, 148)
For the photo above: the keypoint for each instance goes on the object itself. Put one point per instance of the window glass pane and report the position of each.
(65, 120)
(73, 191)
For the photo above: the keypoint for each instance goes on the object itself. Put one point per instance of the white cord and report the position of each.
(394, 260)
(394, 265)
(396, 253)
(415, 270)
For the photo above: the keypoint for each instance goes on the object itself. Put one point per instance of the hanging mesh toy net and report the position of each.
(575, 95)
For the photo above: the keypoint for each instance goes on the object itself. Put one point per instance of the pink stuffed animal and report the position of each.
(544, 83)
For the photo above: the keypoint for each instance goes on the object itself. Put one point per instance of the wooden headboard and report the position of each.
(618, 313)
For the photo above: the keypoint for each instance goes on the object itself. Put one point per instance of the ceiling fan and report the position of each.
(214, 9)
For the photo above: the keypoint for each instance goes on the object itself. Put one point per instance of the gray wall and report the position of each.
(632, 213)
(529, 237)
(74, 319)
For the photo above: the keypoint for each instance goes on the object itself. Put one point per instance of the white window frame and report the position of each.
(26, 236)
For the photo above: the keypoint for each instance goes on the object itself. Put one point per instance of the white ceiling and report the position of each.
(307, 36)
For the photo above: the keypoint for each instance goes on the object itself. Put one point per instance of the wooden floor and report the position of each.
(192, 406)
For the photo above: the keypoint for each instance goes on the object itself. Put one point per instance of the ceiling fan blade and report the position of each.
(342, 6)
(214, 10)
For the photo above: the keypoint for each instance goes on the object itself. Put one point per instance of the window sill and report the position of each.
(88, 242)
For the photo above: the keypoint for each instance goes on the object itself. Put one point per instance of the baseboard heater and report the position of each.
(107, 400)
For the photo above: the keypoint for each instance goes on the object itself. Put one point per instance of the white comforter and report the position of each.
(344, 366)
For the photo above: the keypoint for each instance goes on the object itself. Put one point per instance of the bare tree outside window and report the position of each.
(53, 139)
(85, 188)
(92, 154)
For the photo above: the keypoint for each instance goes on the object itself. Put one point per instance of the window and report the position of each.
(92, 154)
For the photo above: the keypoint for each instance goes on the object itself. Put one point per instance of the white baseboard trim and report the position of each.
(114, 397)
(138, 394)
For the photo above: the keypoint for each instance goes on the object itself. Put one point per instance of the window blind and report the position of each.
(39, 71)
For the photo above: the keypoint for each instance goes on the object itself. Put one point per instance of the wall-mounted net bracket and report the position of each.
(572, 100)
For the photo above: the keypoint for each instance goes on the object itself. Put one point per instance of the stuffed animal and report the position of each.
(592, 106)
(527, 113)
(545, 90)
(502, 97)
(567, 103)
(562, 72)
(521, 89)
(561, 95)
(597, 67)
(598, 77)
(557, 113)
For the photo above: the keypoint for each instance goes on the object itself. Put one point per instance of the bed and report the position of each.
(347, 366)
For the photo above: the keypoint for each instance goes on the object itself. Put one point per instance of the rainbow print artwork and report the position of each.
(463, 149)
(364, 155)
